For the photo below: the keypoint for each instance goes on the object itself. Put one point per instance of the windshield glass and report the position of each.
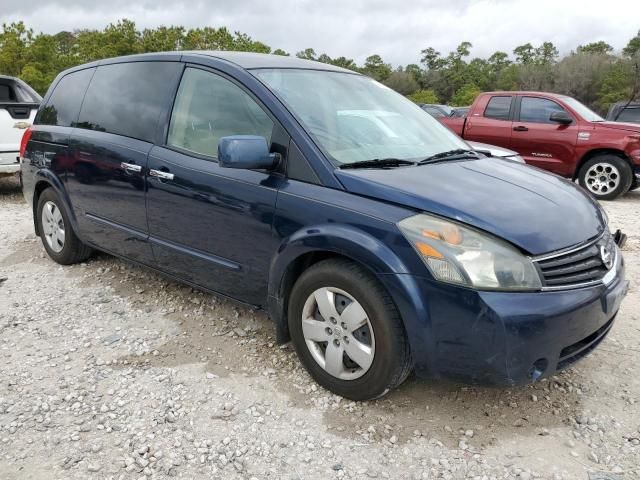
(582, 110)
(354, 118)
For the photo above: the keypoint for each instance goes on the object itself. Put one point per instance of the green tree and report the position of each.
(424, 96)
(465, 95)
(431, 59)
(375, 67)
(15, 40)
(633, 47)
(525, 54)
(307, 54)
(402, 82)
(162, 39)
(595, 48)
(279, 51)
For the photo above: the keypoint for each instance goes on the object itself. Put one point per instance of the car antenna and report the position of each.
(634, 92)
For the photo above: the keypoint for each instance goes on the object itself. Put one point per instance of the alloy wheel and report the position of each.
(602, 178)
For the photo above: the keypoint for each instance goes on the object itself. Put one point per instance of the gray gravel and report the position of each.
(110, 371)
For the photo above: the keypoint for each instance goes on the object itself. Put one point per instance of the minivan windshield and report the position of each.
(354, 118)
(582, 110)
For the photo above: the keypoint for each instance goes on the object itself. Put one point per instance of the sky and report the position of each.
(397, 30)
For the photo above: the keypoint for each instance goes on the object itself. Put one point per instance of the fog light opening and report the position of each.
(538, 368)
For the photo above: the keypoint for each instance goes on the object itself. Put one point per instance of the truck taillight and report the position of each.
(23, 143)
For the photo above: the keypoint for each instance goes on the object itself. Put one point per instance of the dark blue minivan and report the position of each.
(376, 239)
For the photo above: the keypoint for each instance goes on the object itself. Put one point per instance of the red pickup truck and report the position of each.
(559, 134)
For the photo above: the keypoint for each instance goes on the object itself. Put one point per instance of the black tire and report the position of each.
(612, 163)
(391, 360)
(73, 250)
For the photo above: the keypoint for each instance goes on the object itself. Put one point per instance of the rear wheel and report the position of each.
(347, 331)
(56, 233)
(606, 176)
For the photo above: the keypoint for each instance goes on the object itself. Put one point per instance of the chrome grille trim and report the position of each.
(582, 262)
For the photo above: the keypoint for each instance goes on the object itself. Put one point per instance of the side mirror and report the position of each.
(249, 152)
(562, 118)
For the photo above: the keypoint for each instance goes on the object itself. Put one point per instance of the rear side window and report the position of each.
(128, 98)
(538, 110)
(629, 115)
(498, 108)
(7, 93)
(209, 107)
(63, 105)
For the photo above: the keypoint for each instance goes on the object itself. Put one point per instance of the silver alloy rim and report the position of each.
(53, 226)
(602, 178)
(338, 333)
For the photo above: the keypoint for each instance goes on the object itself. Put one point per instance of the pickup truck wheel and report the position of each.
(56, 233)
(606, 176)
(347, 332)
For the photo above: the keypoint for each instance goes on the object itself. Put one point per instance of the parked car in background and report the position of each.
(378, 242)
(624, 112)
(460, 112)
(18, 106)
(436, 111)
(496, 152)
(559, 134)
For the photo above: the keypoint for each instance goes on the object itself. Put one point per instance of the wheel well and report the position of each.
(40, 187)
(599, 151)
(293, 272)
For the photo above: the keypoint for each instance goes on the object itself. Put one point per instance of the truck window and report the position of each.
(538, 110)
(498, 108)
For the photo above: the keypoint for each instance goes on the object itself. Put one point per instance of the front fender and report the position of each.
(362, 248)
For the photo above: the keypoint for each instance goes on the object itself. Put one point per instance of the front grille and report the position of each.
(577, 267)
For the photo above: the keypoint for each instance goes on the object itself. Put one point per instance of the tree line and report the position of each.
(593, 73)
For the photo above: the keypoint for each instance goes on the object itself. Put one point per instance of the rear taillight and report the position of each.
(23, 143)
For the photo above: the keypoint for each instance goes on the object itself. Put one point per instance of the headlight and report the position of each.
(462, 255)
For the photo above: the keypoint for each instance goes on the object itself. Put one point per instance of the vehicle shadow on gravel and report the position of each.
(231, 339)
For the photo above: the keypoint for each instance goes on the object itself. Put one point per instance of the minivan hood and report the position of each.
(536, 211)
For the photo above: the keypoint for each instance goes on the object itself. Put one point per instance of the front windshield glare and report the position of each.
(354, 118)
(582, 110)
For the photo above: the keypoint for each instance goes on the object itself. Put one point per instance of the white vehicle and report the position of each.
(497, 152)
(18, 105)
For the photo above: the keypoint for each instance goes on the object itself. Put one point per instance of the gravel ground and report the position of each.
(110, 371)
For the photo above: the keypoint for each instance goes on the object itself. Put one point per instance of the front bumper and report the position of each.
(509, 338)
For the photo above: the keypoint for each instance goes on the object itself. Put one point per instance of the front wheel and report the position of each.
(606, 176)
(347, 332)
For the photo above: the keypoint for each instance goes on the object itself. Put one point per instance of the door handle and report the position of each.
(160, 174)
(130, 167)
(520, 128)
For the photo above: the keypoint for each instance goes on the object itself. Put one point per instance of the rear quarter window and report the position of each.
(498, 108)
(128, 98)
(63, 105)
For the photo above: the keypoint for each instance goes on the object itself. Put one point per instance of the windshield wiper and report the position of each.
(378, 163)
(458, 154)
